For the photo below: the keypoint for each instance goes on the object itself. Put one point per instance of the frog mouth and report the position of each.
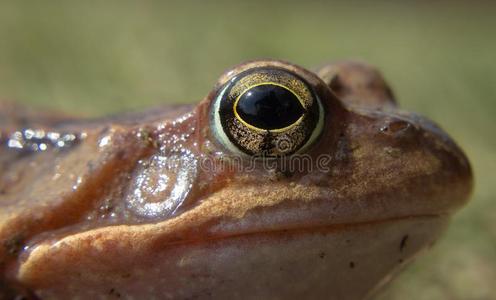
(154, 236)
(297, 230)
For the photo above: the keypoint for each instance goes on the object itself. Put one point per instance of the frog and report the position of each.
(282, 183)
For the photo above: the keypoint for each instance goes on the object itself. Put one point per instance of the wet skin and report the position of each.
(127, 206)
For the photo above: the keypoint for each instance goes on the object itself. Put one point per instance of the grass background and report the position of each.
(100, 57)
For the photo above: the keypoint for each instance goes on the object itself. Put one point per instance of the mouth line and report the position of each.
(302, 230)
(207, 237)
(265, 235)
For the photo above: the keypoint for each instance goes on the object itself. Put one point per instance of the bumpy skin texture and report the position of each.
(126, 210)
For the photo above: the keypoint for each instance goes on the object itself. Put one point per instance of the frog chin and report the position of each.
(317, 261)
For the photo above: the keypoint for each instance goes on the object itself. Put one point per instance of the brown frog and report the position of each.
(281, 184)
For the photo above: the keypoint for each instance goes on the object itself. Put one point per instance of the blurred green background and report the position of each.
(100, 57)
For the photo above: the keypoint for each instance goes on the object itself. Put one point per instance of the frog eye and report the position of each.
(266, 112)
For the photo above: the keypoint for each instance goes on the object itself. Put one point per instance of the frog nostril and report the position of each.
(396, 127)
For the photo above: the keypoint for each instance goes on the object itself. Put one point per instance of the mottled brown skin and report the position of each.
(68, 230)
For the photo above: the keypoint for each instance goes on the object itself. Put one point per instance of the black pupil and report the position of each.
(269, 106)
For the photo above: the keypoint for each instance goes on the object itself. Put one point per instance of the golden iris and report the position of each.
(268, 112)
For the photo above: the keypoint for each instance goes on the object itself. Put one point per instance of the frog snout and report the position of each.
(448, 175)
